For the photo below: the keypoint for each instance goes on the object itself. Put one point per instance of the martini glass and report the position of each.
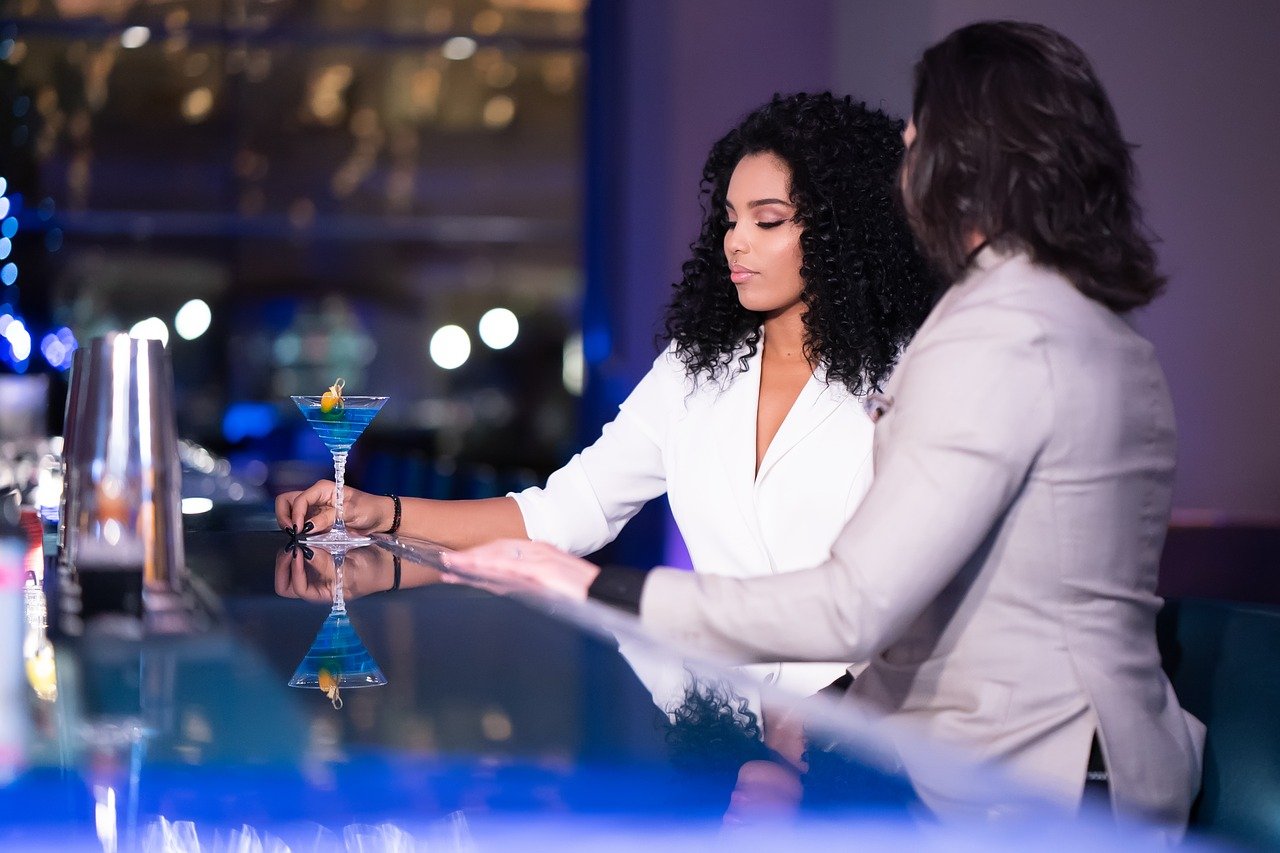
(337, 657)
(339, 428)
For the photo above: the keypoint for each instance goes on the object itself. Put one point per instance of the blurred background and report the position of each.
(478, 207)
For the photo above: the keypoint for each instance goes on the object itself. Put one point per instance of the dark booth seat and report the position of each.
(1224, 661)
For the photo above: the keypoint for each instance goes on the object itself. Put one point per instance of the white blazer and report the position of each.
(697, 443)
(1000, 574)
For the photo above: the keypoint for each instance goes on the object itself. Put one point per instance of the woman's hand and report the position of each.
(518, 565)
(363, 512)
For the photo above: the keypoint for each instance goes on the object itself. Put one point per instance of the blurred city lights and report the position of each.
(57, 348)
(498, 112)
(450, 347)
(192, 319)
(134, 37)
(15, 332)
(9, 227)
(459, 47)
(9, 273)
(153, 328)
(499, 328)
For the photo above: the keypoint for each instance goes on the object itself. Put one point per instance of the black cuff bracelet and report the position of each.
(395, 519)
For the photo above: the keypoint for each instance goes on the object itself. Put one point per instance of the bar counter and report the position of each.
(503, 723)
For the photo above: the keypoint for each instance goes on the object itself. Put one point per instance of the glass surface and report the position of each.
(338, 428)
(337, 658)
(507, 723)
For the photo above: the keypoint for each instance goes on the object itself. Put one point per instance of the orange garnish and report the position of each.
(332, 399)
(329, 686)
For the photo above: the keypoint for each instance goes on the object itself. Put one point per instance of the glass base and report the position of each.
(337, 537)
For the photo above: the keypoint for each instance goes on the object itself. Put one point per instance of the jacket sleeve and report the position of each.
(585, 504)
(972, 411)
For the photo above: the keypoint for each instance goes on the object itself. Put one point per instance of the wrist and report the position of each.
(391, 517)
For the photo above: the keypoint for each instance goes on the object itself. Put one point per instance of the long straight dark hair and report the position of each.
(1017, 141)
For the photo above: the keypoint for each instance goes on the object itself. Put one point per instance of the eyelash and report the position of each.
(766, 225)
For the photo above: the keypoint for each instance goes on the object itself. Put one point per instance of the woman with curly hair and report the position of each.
(803, 286)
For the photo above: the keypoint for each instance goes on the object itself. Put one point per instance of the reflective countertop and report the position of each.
(503, 723)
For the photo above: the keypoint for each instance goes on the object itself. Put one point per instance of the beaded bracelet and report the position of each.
(395, 519)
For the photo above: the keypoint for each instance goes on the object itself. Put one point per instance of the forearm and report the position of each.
(458, 524)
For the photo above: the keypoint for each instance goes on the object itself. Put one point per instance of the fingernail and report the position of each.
(292, 528)
(306, 528)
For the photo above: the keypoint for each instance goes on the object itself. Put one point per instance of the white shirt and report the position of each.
(696, 441)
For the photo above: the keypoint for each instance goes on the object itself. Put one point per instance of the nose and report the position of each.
(735, 243)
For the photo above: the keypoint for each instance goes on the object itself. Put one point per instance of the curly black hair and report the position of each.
(866, 288)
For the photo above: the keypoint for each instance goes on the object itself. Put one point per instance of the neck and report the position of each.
(784, 334)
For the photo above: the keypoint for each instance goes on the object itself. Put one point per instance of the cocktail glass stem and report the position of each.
(339, 473)
(339, 594)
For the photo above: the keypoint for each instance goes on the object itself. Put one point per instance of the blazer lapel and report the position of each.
(815, 404)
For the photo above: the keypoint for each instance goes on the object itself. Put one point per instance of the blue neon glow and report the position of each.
(9, 227)
(4, 185)
(9, 273)
(248, 420)
(6, 246)
(4, 205)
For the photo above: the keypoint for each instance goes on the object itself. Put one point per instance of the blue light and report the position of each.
(45, 210)
(6, 48)
(4, 206)
(6, 246)
(9, 227)
(248, 420)
(57, 348)
(4, 185)
(20, 105)
(53, 239)
(9, 273)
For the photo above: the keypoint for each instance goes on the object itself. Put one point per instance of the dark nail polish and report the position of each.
(308, 527)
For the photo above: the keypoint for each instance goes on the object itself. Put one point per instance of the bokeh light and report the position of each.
(459, 47)
(134, 37)
(450, 347)
(57, 348)
(499, 328)
(192, 319)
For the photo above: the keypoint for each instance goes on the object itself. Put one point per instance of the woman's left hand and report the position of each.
(518, 565)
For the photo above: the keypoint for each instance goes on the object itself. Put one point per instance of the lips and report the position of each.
(738, 273)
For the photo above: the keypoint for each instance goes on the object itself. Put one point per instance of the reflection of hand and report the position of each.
(361, 511)
(309, 573)
(518, 565)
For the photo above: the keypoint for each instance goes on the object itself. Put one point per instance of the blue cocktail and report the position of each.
(337, 658)
(339, 424)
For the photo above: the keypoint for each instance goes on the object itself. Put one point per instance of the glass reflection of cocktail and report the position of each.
(337, 658)
(338, 427)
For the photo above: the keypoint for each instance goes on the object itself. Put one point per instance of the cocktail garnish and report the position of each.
(329, 686)
(332, 399)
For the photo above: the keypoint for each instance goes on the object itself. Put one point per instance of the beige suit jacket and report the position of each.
(1000, 573)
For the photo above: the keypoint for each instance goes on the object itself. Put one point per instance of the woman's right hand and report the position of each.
(363, 512)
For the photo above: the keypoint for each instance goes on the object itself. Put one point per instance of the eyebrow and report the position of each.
(761, 202)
